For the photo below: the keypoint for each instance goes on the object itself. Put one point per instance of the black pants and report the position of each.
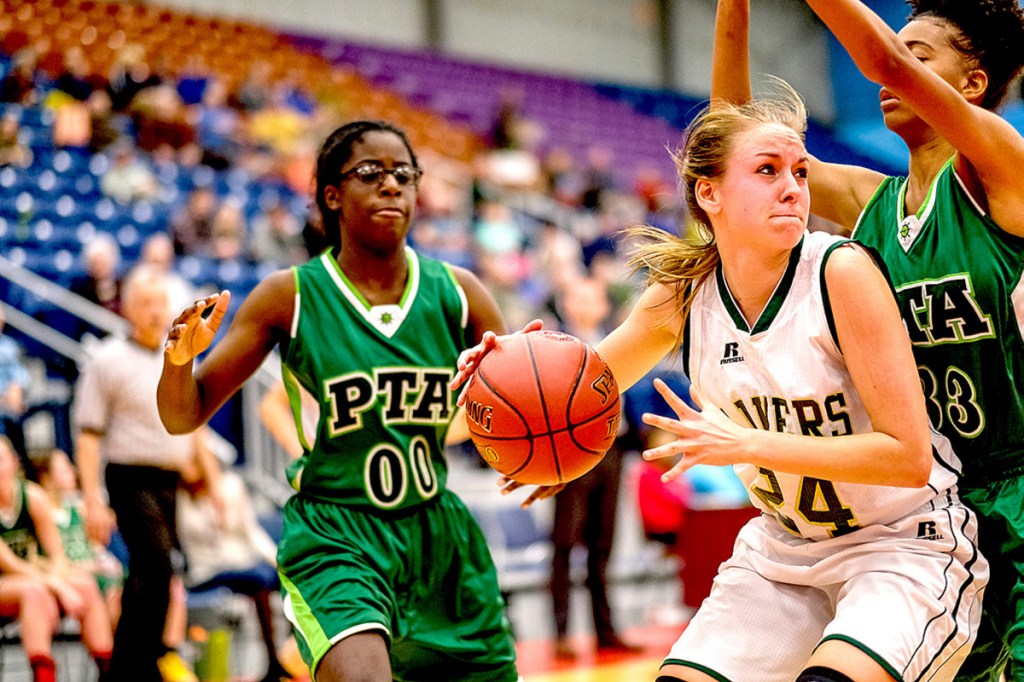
(143, 499)
(585, 514)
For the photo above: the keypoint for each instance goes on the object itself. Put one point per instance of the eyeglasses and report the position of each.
(374, 174)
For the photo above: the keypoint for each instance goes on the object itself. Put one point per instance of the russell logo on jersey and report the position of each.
(731, 354)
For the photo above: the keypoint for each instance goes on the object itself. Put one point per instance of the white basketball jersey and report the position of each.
(788, 374)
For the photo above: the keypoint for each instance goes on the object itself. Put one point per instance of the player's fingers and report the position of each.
(542, 493)
(667, 450)
(461, 377)
(532, 326)
(220, 308)
(677, 404)
(681, 466)
(695, 397)
(507, 485)
(667, 423)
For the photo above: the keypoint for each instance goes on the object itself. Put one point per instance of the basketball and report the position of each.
(543, 408)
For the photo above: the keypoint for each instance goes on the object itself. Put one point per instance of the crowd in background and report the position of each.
(151, 124)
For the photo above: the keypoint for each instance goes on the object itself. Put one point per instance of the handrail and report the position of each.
(46, 335)
(67, 347)
(96, 315)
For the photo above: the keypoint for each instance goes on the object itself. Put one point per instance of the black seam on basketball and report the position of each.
(572, 395)
(575, 386)
(544, 408)
(600, 415)
(526, 424)
(528, 437)
(611, 407)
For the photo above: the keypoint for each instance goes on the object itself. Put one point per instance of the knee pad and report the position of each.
(820, 673)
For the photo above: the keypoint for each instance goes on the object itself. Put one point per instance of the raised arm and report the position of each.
(840, 191)
(188, 399)
(730, 62)
(987, 146)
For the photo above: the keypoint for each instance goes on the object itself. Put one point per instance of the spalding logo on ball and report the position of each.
(543, 408)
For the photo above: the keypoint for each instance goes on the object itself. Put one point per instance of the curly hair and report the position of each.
(335, 153)
(988, 32)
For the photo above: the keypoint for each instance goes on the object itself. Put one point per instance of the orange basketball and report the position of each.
(543, 408)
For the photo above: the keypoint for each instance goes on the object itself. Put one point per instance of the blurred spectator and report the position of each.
(19, 85)
(507, 129)
(556, 255)
(106, 126)
(57, 476)
(193, 80)
(296, 167)
(277, 237)
(129, 178)
(159, 117)
(100, 284)
(663, 506)
(75, 81)
(218, 126)
(659, 199)
(294, 94)
(598, 178)
(228, 235)
(278, 125)
(584, 510)
(118, 423)
(12, 151)
(158, 252)
(238, 554)
(254, 92)
(192, 225)
(129, 75)
(496, 231)
(561, 178)
(37, 584)
(72, 124)
(14, 382)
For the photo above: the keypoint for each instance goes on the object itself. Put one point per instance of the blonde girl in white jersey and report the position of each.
(863, 565)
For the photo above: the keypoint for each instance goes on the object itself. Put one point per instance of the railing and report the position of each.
(96, 315)
(265, 459)
(74, 304)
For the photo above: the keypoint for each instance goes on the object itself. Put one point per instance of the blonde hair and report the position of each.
(685, 263)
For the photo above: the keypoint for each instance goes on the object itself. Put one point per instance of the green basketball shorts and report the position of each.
(422, 577)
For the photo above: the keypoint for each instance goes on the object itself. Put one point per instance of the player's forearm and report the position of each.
(869, 458)
(12, 564)
(179, 399)
(874, 47)
(730, 65)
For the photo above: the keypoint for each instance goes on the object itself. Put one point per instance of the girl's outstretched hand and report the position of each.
(191, 333)
(471, 358)
(706, 437)
(541, 492)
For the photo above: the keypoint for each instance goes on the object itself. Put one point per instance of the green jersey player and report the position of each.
(950, 234)
(373, 545)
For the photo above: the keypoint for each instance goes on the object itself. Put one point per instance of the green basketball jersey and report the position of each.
(379, 375)
(17, 529)
(958, 279)
(73, 535)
